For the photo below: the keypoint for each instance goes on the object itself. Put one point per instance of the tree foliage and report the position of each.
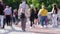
(35, 3)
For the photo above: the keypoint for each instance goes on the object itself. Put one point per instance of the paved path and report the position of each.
(16, 29)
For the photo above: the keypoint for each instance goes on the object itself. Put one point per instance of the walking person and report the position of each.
(11, 20)
(54, 16)
(36, 17)
(43, 13)
(31, 17)
(1, 15)
(8, 14)
(23, 13)
(15, 16)
(39, 18)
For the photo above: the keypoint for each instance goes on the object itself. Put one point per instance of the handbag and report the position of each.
(22, 15)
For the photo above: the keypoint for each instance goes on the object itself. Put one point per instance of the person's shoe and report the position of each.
(45, 26)
(30, 27)
(41, 26)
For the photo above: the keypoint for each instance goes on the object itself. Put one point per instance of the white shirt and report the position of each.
(7, 11)
(23, 6)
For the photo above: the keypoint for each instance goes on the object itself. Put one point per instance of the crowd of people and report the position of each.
(37, 17)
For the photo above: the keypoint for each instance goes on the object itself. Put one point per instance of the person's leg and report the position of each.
(42, 20)
(45, 22)
(45, 18)
(56, 24)
(52, 22)
(31, 24)
(2, 18)
(7, 19)
(10, 20)
(39, 19)
(4, 23)
(16, 19)
(23, 24)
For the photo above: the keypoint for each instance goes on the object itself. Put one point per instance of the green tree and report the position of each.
(35, 3)
(12, 3)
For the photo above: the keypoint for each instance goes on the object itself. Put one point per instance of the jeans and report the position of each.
(43, 20)
(1, 20)
(39, 19)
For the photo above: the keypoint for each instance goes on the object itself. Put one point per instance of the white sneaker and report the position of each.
(41, 26)
(45, 26)
(30, 27)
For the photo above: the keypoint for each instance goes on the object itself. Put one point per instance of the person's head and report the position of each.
(15, 10)
(55, 8)
(7, 6)
(23, 0)
(43, 6)
(0, 2)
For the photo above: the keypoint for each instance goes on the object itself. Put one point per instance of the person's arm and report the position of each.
(19, 11)
(39, 13)
(52, 10)
(27, 11)
(11, 14)
(4, 12)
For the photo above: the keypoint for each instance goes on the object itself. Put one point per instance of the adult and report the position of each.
(1, 15)
(36, 16)
(31, 17)
(43, 13)
(15, 16)
(23, 14)
(8, 14)
(54, 15)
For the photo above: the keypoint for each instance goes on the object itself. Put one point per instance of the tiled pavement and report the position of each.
(16, 29)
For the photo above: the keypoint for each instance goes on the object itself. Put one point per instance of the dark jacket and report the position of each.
(1, 9)
(32, 15)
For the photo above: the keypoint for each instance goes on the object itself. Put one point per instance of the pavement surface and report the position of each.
(16, 29)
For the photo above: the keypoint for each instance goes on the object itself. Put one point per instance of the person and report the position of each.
(39, 18)
(23, 14)
(35, 17)
(31, 17)
(15, 16)
(8, 14)
(54, 16)
(43, 13)
(4, 5)
(1, 15)
(11, 10)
